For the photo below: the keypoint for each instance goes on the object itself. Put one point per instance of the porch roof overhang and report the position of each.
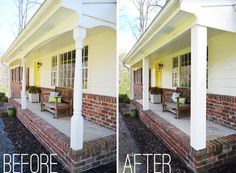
(175, 20)
(51, 21)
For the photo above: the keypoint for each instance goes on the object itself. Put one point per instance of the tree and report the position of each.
(24, 8)
(145, 9)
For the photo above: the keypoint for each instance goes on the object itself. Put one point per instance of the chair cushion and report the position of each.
(52, 99)
(182, 100)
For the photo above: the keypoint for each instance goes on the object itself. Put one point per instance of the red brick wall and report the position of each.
(94, 153)
(222, 109)
(16, 84)
(96, 108)
(100, 110)
(15, 89)
(218, 151)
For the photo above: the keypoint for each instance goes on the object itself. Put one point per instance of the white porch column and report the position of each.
(131, 84)
(145, 84)
(23, 85)
(198, 87)
(153, 77)
(9, 83)
(77, 121)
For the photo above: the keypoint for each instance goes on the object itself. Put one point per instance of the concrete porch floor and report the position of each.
(213, 130)
(91, 130)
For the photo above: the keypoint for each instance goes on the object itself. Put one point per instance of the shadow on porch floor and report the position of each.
(91, 130)
(213, 130)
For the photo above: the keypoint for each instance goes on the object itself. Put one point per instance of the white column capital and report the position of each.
(79, 34)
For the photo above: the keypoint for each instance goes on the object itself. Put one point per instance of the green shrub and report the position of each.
(155, 90)
(123, 98)
(33, 89)
(3, 97)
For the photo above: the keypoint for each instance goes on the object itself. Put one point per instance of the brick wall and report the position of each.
(222, 109)
(218, 151)
(15, 89)
(16, 83)
(44, 94)
(96, 108)
(94, 153)
(100, 110)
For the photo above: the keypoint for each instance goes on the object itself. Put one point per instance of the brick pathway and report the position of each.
(127, 145)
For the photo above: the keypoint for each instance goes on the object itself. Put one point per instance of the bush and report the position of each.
(155, 90)
(3, 97)
(123, 98)
(33, 89)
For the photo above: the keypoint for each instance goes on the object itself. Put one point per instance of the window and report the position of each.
(185, 70)
(14, 74)
(85, 67)
(54, 71)
(175, 71)
(67, 69)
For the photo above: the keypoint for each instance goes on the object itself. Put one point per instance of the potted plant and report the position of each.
(133, 112)
(155, 95)
(10, 111)
(33, 94)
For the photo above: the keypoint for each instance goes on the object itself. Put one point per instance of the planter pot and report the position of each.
(33, 98)
(133, 113)
(155, 98)
(11, 112)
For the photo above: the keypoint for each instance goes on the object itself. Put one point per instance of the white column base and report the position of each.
(77, 128)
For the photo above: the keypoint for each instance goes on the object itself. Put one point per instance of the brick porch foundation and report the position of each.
(94, 153)
(218, 151)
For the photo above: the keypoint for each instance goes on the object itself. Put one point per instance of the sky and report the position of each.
(127, 16)
(8, 21)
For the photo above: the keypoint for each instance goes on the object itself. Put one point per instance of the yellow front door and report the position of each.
(36, 74)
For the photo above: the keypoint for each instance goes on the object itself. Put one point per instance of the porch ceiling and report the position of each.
(46, 28)
(180, 43)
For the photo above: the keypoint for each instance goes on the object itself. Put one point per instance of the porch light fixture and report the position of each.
(39, 64)
(160, 66)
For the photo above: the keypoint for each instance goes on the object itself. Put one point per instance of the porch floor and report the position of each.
(213, 130)
(91, 130)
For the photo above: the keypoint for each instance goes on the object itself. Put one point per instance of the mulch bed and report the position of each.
(25, 142)
(149, 143)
